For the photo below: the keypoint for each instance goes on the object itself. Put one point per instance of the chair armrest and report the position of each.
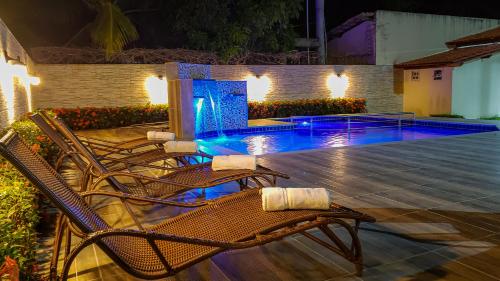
(131, 197)
(138, 177)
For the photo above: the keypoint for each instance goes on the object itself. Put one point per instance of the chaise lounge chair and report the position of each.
(106, 147)
(143, 158)
(173, 183)
(236, 221)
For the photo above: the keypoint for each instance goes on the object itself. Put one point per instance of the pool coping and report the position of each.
(480, 127)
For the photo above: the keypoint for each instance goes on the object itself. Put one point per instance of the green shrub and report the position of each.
(447, 115)
(19, 202)
(18, 219)
(491, 118)
(277, 109)
(36, 139)
(111, 117)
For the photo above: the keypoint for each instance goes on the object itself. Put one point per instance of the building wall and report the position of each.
(427, 96)
(405, 36)
(83, 85)
(476, 88)
(97, 85)
(291, 82)
(356, 46)
(17, 97)
(10, 44)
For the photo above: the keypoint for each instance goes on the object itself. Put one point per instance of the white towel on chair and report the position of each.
(234, 162)
(278, 198)
(160, 136)
(180, 146)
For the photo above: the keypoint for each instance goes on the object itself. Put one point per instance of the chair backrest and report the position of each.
(58, 139)
(50, 183)
(85, 152)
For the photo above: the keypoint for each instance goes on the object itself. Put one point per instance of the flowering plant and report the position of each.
(277, 109)
(111, 117)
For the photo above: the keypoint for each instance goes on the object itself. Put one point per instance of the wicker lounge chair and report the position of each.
(236, 221)
(176, 182)
(106, 147)
(143, 158)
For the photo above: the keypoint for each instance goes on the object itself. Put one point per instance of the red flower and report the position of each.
(35, 147)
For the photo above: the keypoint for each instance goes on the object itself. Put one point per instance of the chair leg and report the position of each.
(352, 254)
(57, 246)
(67, 246)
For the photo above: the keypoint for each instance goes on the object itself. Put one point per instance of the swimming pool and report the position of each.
(322, 132)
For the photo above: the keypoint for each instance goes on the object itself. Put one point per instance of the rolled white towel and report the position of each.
(180, 146)
(160, 136)
(234, 162)
(278, 198)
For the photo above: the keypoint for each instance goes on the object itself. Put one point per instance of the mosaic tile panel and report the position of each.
(193, 71)
(220, 104)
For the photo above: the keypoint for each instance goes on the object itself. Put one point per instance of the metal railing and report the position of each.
(357, 121)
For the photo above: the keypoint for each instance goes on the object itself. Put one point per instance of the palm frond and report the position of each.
(93, 4)
(112, 29)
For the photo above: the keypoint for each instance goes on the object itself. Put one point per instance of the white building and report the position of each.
(388, 37)
(465, 80)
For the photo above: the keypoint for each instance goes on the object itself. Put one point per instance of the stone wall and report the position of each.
(103, 85)
(98, 85)
(291, 82)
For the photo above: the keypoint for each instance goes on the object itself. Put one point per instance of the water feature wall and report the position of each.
(219, 106)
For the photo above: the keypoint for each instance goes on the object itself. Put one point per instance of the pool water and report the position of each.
(322, 135)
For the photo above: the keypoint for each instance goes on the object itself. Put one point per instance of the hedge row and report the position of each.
(277, 109)
(19, 201)
(18, 218)
(103, 118)
(111, 117)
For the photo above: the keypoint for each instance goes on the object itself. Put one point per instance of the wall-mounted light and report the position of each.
(337, 84)
(258, 87)
(156, 86)
(9, 71)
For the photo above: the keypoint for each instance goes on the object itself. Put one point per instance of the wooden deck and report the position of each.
(437, 203)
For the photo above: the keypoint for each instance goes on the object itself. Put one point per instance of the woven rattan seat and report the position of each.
(243, 210)
(232, 222)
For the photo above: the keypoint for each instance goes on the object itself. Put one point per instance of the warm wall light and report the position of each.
(258, 87)
(337, 84)
(9, 72)
(157, 89)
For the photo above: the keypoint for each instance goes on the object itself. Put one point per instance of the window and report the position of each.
(438, 74)
(415, 76)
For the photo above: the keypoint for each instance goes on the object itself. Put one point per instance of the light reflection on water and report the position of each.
(304, 139)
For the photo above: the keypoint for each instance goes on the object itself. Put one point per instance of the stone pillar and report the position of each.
(180, 108)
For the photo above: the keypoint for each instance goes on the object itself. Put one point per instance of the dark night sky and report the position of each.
(478, 8)
(53, 22)
(337, 12)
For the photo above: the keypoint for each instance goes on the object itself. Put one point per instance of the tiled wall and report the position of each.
(233, 108)
(99, 85)
(121, 85)
(290, 82)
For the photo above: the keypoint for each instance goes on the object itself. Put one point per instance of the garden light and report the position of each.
(258, 87)
(156, 87)
(8, 73)
(337, 84)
